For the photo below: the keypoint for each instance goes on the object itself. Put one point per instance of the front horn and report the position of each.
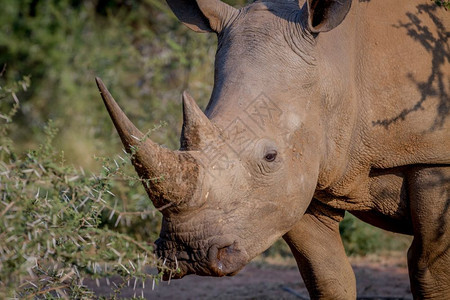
(169, 177)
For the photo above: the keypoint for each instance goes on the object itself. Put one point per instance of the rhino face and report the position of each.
(245, 202)
(247, 167)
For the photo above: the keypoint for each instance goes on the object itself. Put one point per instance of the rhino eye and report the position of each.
(271, 156)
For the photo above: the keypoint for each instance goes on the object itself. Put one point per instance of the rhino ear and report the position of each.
(324, 15)
(202, 15)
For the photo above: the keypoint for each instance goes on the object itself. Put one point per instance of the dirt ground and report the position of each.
(378, 277)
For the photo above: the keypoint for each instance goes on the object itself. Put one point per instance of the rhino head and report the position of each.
(248, 167)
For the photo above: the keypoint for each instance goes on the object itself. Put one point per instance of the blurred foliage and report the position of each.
(360, 238)
(444, 4)
(279, 248)
(59, 224)
(139, 49)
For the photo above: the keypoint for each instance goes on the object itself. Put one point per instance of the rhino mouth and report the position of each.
(222, 258)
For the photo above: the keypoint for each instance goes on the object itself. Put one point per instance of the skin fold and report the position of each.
(318, 108)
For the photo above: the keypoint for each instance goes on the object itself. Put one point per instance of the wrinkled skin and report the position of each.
(317, 109)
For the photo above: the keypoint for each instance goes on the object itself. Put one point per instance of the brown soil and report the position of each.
(378, 277)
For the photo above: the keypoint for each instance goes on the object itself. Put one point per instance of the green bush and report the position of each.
(360, 238)
(445, 4)
(138, 48)
(57, 222)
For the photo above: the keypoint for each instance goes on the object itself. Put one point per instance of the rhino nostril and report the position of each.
(225, 251)
(223, 259)
(224, 256)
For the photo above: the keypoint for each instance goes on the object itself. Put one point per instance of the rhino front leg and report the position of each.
(429, 254)
(317, 247)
